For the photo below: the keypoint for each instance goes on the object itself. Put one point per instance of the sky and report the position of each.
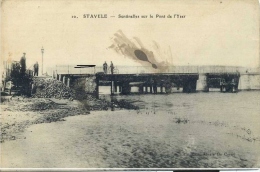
(213, 32)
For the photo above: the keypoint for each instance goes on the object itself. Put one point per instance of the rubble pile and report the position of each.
(43, 106)
(91, 103)
(50, 88)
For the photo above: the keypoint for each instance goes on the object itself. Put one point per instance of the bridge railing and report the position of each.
(174, 69)
(69, 69)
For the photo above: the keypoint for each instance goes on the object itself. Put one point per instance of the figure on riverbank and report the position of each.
(105, 67)
(23, 65)
(36, 69)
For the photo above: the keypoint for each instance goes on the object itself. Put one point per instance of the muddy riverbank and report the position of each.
(18, 113)
(202, 130)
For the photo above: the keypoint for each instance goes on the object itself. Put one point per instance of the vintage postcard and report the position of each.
(151, 84)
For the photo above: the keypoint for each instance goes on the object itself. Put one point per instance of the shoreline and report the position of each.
(166, 131)
(18, 113)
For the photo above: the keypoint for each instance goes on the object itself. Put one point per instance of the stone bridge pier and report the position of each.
(202, 83)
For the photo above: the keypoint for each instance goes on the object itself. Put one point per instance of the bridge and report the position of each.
(69, 69)
(148, 80)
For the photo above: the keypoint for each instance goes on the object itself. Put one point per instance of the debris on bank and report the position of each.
(18, 113)
(92, 103)
(51, 88)
(43, 105)
(51, 101)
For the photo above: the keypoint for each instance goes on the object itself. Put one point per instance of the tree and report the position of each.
(15, 73)
(19, 77)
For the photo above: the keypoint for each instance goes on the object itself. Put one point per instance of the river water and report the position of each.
(198, 130)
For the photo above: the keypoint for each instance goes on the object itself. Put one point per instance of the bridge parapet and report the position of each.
(69, 69)
(174, 69)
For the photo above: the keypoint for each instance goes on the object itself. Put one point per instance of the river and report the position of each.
(179, 130)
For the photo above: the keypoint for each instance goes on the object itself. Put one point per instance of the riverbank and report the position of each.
(18, 113)
(168, 131)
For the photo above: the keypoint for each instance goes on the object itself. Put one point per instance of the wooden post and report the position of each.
(140, 89)
(115, 86)
(155, 89)
(97, 88)
(112, 88)
(32, 88)
(120, 87)
(68, 82)
(154, 86)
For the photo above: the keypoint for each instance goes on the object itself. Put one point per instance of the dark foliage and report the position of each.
(21, 80)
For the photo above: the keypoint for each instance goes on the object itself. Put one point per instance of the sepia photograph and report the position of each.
(150, 84)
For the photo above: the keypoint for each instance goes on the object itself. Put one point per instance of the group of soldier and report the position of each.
(111, 67)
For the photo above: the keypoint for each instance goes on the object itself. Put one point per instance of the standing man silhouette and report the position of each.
(23, 65)
(112, 68)
(105, 67)
(36, 69)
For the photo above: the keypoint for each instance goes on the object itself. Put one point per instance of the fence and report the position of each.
(68, 69)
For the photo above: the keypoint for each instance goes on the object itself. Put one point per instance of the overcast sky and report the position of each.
(213, 32)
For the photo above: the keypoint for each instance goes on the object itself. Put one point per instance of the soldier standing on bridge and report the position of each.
(36, 69)
(105, 67)
(112, 68)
